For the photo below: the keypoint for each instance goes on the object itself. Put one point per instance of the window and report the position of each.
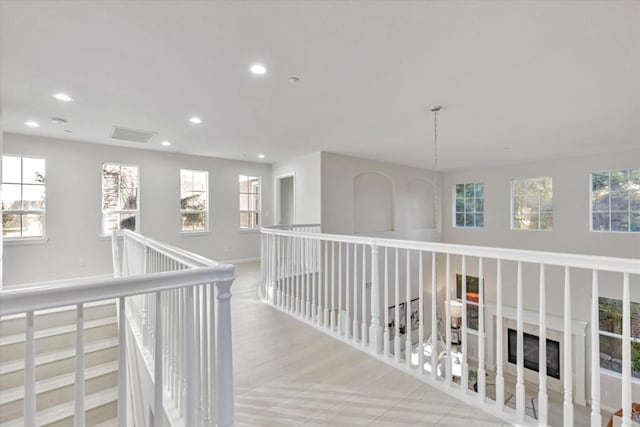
(469, 200)
(249, 201)
(532, 204)
(23, 197)
(473, 298)
(615, 200)
(610, 319)
(120, 206)
(194, 200)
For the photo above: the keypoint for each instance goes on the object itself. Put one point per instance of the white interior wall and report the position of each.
(286, 208)
(338, 198)
(306, 171)
(73, 220)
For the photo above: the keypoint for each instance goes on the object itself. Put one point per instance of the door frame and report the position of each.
(279, 178)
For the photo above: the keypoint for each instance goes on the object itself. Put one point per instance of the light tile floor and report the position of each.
(289, 374)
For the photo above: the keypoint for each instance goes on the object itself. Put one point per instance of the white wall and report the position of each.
(571, 198)
(73, 220)
(338, 207)
(306, 171)
(286, 208)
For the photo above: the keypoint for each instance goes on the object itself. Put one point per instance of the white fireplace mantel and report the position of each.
(555, 323)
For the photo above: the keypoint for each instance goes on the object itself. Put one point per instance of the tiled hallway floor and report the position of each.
(289, 374)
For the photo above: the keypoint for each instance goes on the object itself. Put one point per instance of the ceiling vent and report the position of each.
(133, 135)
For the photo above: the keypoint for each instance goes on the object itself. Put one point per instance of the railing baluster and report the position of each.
(481, 368)
(79, 416)
(464, 381)
(340, 319)
(307, 279)
(355, 293)
(420, 314)
(364, 332)
(596, 418)
(224, 386)
(314, 281)
(447, 311)
(157, 380)
(326, 284)
(519, 348)
(29, 373)
(396, 311)
(434, 317)
(375, 330)
(568, 358)
(122, 363)
(332, 312)
(542, 355)
(347, 320)
(408, 345)
(386, 336)
(626, 352)
(499, 337)
(190, 359)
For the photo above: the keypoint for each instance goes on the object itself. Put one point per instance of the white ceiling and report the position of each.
(518, 80)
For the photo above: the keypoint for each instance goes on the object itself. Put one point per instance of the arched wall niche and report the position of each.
(373, 203)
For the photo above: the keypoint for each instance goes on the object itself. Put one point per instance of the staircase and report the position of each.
(55, 336)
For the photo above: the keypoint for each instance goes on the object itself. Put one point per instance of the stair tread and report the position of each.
(58, 330)
(43, 386)
(55, 355)
(67, 409)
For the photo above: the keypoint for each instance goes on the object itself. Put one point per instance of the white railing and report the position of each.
(358, 288)
(165, 296)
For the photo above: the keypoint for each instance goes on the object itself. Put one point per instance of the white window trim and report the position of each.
(29, 240)
(137, 211)
(259, 211)
(454, 221)
(539, 211)
(208, 208)
(591, 205)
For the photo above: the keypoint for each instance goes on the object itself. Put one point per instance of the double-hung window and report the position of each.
(469, 205)
(615, 200)
(249, 201)
(120, 204)
(194, 200)
(23, 197)
(532, 204)
(610, 319)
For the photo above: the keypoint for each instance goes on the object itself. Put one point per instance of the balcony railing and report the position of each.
(166, 300)
(398, 300)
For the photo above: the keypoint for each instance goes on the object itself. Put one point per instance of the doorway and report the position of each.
(286, 199)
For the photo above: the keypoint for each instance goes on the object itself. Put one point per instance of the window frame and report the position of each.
(591, 230)
(475, 212)
(259, 205)
(27, 239)
(512, 200)
(102, 211)
(187, 211)
(601, 333)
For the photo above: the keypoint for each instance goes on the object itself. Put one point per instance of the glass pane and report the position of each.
(254, 184)
(128, 222)
(546, 202)
(199, 181)
(254, 202)
(620, 201)
(635, 222)
(469, 190)
(33, 171)
(11, 169)
(254, 218)
(186, 182)
(600, 182)
(11, 198)
(244, 202)
(459, 205)
(110, 187)
(129, 177)
(611, 353)
(600, 221)
(469, 204)
(11, 225)
(244, 183)
(193, 201)
(32, 225)
(468, 220)
(601, 201)
(110, 221)
(479, 220)
(472, 317)
(460, 220)
(194, 222)
(533, 221)
(33, 197)
(129, 199)
(533, 201)
(244, 219)
(619, 180)
(479, 190)
(480, 205)
(619, 221)
(518, 187)
(459, 190)
(635, 201)
(546, 221)
(634, 178)
(610, 315)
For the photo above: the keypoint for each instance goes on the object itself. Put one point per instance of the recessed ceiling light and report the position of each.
(258, 69)
(166, 143)
(195, 120)
(32, 124)
(261, 156)
(62, 97)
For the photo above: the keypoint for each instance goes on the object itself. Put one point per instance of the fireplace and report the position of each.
(532, 352)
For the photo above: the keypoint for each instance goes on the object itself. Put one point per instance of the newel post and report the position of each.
(375, 330)
(224, 386)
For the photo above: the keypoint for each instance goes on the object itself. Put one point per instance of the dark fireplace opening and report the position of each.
(532, 353)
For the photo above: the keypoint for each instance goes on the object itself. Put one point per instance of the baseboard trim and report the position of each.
(242, 260)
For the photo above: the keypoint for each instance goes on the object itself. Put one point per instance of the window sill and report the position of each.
(249, 230)
(25, 241)
(194, 233)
